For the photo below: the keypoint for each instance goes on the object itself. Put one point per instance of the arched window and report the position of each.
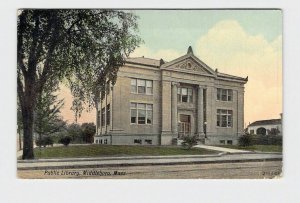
(261, 131)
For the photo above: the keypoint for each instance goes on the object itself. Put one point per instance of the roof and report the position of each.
(231, 76)
(161, 64)
(144, 61)
(266, 122)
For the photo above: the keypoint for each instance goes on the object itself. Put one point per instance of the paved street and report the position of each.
(244, 170)
(143, 160)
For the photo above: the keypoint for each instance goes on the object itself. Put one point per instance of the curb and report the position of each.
(147, 164)
(118, 158)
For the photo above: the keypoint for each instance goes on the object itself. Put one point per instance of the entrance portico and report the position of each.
(187, 107)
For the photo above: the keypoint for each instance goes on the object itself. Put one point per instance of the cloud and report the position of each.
(228, 47)
(166, 54)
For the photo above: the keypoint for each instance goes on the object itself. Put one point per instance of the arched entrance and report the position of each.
(261, 131)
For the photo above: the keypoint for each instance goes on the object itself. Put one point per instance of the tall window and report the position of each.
(102, 117)
(141, 113)
(224, 118)
(140, 86)
(185, 94)
(224, 94)
(108, 114)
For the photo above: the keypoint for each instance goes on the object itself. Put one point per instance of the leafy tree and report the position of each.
(189, 142)
(85, 46)
(88, 132)
(47, 113)
(75, 132)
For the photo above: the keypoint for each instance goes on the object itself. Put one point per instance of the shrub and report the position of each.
(189, 142)
(44, 141)
(65, 140)
(246, 140)
(267, 140)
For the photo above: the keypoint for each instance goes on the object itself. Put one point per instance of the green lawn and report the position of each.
(113, 150)
(261, 148)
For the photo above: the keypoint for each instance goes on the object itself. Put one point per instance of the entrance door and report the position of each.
(184, 125)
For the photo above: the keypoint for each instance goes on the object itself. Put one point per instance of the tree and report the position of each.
(88, 132)
(189, 142)
(83, 46)
(74, 131)
(47, 113)
(19, 124)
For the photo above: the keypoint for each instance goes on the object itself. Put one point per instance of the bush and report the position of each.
(267, 140)
(44, 141)
(189, 142)
(65, 140)
(246, 140)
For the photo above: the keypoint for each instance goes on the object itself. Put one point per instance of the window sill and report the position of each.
(223, 101)
(224, 127)
(141, 94)
(141, 124)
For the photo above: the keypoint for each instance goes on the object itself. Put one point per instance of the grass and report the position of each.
(114, 150)
(261, 148)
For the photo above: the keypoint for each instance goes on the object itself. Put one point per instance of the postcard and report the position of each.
(149, 94)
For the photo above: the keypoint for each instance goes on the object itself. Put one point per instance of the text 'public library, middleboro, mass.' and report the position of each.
(158, 103)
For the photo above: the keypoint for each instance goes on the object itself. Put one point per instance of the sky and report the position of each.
(237, 42)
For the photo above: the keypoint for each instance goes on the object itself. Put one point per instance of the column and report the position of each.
(200, 112)
(100, 114)
(174, 109)
(166, 108)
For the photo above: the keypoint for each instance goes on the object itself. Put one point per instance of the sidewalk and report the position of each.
(143, 161)
(222, 149)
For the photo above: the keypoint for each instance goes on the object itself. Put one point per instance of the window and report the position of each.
(148, 141)
(224, 94)
(133, 86)
(107, 87)
(141, 113)
(137, 141)
(185, 94)
(105, 141)
(229, 142)
(100, 141)
(149, 89)
(222, 141)
(108, 114)
(96, 141)
(224, 118)
(102, 117)
(140, 86)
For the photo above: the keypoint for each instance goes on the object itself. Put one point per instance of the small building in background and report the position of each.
(266, 127)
